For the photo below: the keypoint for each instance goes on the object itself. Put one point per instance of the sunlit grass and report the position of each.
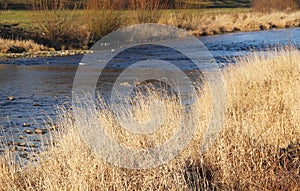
(9, 46)
(202, 24)
(97, 23)
(25, 17)
(262, 117)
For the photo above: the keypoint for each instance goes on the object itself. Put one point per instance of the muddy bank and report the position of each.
(5, 56)
(202, 25)
(14, 32)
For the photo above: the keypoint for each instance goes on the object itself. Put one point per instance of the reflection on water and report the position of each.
(40, 84)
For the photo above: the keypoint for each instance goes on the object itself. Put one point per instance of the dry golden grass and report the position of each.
(13, 46)
(262, 116)
(204, 24)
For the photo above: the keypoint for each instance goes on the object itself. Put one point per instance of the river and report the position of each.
(39, 85)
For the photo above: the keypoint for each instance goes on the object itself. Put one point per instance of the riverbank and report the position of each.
(10, 49)
(258, 147)
(37, 54)
(201, 25)
(81, 32)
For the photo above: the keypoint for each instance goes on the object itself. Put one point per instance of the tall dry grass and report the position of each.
(203, 24)
(148, 11)
(19, 46)
(137, 4)
(101, 18)
(57, 24)
(262, 123)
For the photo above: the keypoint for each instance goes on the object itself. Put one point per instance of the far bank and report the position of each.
(33, 31)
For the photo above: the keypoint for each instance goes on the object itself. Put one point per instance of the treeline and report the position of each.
(117, 4)
(275, 5)
(258, 5)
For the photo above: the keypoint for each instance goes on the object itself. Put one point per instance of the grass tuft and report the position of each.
(20, 46)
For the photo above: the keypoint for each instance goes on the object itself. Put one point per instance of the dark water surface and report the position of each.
(40, 84)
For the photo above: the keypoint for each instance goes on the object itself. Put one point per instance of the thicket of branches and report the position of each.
(137, 4)
(54, 22)
(275, 5)
(114, 4)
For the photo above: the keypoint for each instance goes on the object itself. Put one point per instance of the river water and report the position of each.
(39, 85)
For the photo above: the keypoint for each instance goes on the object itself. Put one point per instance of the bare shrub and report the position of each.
(111, 4)
(56, 22)
(137, 4)
(102, 18)
(275, 5)
(148, 11)
(184, 4)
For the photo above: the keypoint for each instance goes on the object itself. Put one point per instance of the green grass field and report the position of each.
(25, 18)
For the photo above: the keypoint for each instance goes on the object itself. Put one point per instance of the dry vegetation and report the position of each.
(61, 32)
(257, 148)
(54, 22)
(67, 29)
(202, 24)
(19, 46)
(275, 5)
(65, 24)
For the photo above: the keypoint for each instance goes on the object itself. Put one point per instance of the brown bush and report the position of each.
(275, 5)
(148, 11)
(137, 4)
(184, 4)
(56, 21)
(101, 18)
